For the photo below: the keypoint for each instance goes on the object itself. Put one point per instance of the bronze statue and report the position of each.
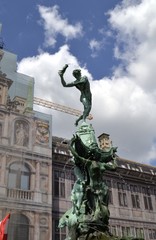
(88, 219)
(82, 84)
(89, 213)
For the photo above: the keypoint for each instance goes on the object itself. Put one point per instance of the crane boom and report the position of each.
(58, 107)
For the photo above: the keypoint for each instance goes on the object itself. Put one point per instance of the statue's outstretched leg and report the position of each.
(77, 121)
(86, 111)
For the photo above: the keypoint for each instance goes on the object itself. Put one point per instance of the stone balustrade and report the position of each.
(20, 194)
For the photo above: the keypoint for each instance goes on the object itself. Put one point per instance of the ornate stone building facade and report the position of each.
(25, 156)
(132, 193)
(31, 179)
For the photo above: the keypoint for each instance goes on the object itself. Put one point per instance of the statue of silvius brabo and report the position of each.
(89, 216)
(82, 84)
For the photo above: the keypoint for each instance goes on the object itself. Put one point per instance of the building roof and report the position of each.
(61, 146)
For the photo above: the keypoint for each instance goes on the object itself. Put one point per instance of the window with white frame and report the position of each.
(122, 195)
(59, 183)
(110, 195)
(126, 231)
(19, 176)
(135, 196)
(139, 232)
(152, 233)
(147, 198)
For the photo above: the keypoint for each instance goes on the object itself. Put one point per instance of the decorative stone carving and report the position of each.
(21, 133)
(44, 183)
(44, 168)
(43, 221)
(42, 132)
(2, 116)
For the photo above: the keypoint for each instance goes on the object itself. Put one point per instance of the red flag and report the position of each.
(3, 227)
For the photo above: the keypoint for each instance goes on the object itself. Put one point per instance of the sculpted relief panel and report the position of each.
(44, 183)
(21, 133)
(42, 132)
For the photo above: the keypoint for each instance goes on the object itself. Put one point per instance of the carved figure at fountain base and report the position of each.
(89, 196)
(88, 219)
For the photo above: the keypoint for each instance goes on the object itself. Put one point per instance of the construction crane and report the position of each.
(59, 107)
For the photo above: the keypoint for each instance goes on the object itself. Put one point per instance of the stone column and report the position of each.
(37, 194)
(50, 227)
(36, 227)
(3, 174)
(4, 94)
(50, 184)
(32, 183)
(6, 135)
(37, 177)
(3, 169)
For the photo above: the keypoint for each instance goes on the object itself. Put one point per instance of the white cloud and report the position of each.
(123, 106)
(95, 47)
(44, 68)
(135, 27)
(55, 24)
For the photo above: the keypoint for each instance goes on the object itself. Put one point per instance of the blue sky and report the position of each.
(23, 31)
(113, 42)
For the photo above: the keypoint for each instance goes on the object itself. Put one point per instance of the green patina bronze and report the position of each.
(88, 219)
(82, 84)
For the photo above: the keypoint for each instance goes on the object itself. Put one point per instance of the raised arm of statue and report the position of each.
(61, 73)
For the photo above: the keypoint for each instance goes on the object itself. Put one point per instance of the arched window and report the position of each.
(19, 176)
(18, 228)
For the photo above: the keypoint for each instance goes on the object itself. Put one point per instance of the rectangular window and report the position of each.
(59, 233)
(25, 182)
(122, 199)
(122, 194)
(148, 202)
(56, 229)
(110, 197)
(12, 180)
(113, 230)
(56, 188)
(152, 233)
(135, 200)
(62, 189)
(119, 231)
(125, 231)
(139, 232)
(147, 198)
(59, 184)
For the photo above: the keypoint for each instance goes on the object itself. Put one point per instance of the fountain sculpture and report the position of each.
(89, 216)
